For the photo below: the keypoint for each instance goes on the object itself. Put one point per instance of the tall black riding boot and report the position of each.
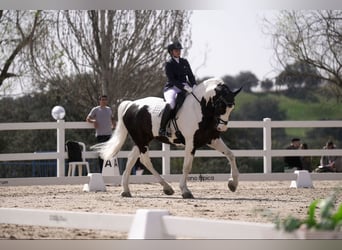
(179, 101)
(165, 118)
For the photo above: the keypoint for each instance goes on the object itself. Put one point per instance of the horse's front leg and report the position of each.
(220, 146)
(187, 165)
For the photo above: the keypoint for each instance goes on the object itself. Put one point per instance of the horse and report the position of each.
(201, 119)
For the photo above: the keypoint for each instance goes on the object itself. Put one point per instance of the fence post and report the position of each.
(267, 145)
(166, 159)
(60, 148)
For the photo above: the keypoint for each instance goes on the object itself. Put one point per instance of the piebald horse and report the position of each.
(202, 118)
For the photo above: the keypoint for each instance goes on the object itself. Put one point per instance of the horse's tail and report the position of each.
(112, 147)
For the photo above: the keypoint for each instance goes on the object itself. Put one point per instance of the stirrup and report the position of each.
(180, 138)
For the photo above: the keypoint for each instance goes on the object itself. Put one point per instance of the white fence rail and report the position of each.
(267, 152)
(145, 224)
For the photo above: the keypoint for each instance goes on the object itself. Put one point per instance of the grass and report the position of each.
(298, 110)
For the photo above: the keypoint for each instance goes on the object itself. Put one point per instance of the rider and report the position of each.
(179, 79)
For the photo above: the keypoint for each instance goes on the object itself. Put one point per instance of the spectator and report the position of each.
(102, 118)
(329, 163)
(293, 161)
(306, 160)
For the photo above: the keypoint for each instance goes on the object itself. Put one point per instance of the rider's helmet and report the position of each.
(174, 45)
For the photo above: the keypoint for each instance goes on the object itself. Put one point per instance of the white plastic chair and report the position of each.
(80, 164)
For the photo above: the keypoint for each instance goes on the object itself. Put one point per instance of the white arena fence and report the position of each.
(166, 154)
(145, 224)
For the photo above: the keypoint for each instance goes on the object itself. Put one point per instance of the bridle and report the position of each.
(219, 102)
(222, 102)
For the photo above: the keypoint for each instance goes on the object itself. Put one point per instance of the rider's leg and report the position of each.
(170, 98)
(179, 101)
(180, 98)
(165, 118)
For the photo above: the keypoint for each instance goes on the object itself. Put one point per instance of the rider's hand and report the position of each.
(188, 89)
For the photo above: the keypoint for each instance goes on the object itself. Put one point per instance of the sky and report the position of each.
(228, 41)
(232, 41)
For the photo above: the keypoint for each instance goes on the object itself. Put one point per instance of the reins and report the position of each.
(195, 97)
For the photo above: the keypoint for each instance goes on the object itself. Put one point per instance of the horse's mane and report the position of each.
(206, 88)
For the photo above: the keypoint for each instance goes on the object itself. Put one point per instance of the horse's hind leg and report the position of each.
(146, 160)
(131, 160)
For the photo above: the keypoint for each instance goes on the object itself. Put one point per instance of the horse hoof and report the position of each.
(232, 186)
(168, 191)
(126, 194)
(187, 195)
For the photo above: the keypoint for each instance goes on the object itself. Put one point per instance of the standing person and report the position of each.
(180, 79)
(102, 118)
(293, 161)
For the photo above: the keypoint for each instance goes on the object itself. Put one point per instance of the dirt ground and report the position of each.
(212, 200)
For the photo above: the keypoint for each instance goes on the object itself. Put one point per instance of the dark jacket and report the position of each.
(177, 73)
(293, 161)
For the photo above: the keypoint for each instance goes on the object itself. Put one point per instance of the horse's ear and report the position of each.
(237, 91)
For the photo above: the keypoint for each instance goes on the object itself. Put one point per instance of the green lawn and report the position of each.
(297, 110)
(309, 111)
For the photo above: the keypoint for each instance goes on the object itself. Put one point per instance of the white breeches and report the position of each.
(171, 94)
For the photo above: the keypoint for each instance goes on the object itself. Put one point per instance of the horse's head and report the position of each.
(224, 102)
(217, 102)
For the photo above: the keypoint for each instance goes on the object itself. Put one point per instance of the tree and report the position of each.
(311, 37)
(256, 110)
(261, 108)
(119, 52)
(247, 80)
(298, 75)
(231, 82)
(266, 84)
(244, 79)
(18, 31)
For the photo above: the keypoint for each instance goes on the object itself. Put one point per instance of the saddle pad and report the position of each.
(157, 108)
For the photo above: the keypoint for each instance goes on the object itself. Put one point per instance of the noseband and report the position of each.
(220, 121)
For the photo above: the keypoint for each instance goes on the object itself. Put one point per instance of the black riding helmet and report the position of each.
(174, 45)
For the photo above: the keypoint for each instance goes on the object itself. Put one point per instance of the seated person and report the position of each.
(329, 163)
(293, 162)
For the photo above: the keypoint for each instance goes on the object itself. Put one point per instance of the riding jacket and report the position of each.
(178, 73)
